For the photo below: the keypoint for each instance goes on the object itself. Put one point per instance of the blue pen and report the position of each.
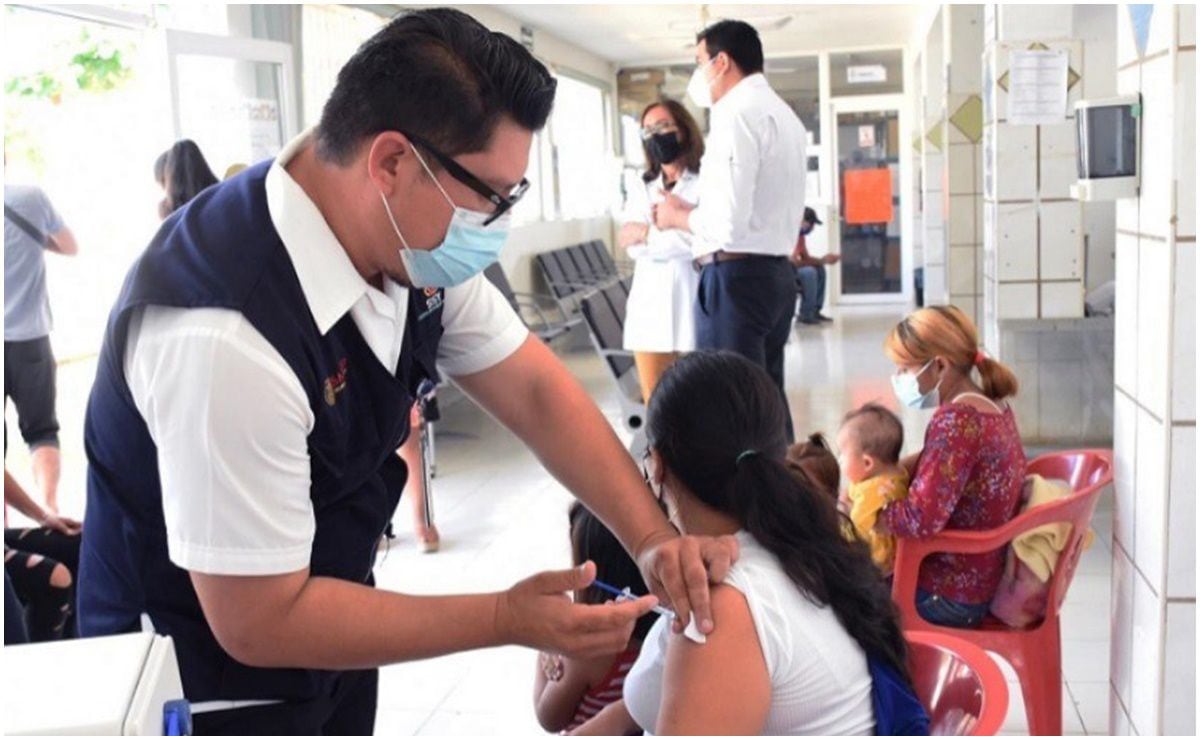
(627, 594)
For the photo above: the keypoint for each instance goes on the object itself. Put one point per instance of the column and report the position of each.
(933, 186)
(962, 162)
(1033, 230)
(1153, 677)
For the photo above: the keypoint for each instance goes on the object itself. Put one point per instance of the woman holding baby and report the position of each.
(969, 473)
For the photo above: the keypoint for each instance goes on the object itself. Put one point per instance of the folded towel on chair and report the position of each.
(1039, 548)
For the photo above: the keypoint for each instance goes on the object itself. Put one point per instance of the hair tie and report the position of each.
(744, 454)
(980, 356)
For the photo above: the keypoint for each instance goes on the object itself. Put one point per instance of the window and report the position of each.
(581, 148)
(797, 82)
(331, 35)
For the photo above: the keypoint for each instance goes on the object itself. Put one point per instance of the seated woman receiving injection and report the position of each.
(802, 611)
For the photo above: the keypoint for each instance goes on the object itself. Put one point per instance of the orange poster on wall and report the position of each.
(868, 196)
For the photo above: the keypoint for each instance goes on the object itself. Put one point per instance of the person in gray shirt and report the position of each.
(32, 227)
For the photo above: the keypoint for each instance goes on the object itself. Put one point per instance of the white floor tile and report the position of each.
(1091, 701)
(1017, 721)
(399, 722)
(1085, 660)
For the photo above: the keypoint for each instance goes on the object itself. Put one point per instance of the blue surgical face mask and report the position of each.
(907, 388)
(468, 248)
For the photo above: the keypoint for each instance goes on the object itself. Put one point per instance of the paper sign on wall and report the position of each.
(868, 196)
(1037, 87)
(866, 136)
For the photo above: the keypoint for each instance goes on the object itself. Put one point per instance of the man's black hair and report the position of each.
(437, 74)
(739, 40)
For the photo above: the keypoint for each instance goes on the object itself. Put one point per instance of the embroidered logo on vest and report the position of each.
(433, 301)
(336, 383)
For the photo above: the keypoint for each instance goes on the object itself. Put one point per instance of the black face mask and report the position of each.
(664, 147)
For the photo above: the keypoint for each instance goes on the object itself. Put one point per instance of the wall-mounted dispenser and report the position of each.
(1108, 145)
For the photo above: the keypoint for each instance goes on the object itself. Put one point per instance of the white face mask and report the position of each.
(907, 387)
(467, 250)
(698, 88)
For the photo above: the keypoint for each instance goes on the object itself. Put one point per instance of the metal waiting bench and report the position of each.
(529, 307)
(572, 272)
(604, 312)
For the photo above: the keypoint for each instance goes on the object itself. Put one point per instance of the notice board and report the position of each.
(868, 195)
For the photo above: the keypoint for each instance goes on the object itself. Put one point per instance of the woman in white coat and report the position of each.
(659, 323)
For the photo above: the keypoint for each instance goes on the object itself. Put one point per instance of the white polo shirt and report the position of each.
(230, 418)
(752, 174)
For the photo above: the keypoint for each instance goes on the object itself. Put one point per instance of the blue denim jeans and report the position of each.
(942, 611)
(811, 281)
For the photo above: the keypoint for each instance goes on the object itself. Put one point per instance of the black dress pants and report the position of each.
(745, 306)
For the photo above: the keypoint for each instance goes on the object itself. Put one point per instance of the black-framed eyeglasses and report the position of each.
(502, 203)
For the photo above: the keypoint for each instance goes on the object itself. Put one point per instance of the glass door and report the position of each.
(867, 193)
(235, 97)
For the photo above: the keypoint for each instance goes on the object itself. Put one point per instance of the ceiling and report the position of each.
(632, 35)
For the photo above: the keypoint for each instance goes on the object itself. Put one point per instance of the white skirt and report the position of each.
(659, 316)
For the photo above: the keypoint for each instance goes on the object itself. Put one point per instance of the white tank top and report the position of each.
(819, 679)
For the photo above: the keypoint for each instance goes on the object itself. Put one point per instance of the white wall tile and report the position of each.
(979, 221)
(1126, 359)
(962, 270)
(1118, 721)
(1016, 243)
(935, 246)
(1062, 301)
(1179, 673)
(1183, 383)
(1158, 133)
(1123, 647)
(1016, 163)
(936, 287)
(1154, 306)
(962, 220)
(1187, 24)
(1061, 227)
(1150, 524)
(1017, 301)
(1185, 140)
(1146, 689)
(966, 45)
(1029, 22)
(962, 168)
(1181, 543)
(1125, 480)
(1058, 171)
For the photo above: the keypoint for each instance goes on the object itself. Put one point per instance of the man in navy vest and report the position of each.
(256, 379)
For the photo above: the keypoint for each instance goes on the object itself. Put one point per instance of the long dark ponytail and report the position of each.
(718, 421)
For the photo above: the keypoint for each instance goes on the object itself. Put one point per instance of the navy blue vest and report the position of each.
(222, 251)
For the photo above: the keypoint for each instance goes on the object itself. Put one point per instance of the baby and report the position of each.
(813, 460)
(869, 442)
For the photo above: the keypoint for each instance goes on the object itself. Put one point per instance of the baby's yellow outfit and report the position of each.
(869, 497)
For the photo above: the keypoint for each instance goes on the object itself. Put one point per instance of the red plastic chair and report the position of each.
(959, 684)
(1035, 652)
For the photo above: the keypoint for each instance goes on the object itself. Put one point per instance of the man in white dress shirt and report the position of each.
(751, 201)
(256, 379)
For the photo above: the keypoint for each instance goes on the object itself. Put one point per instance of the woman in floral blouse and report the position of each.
(970, 472)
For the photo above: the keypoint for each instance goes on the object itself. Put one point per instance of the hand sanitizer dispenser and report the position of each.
(1108, 148)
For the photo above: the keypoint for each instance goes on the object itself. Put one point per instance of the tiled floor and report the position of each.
(502, 518)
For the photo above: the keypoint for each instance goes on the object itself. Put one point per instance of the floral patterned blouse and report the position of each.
(969, 476)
